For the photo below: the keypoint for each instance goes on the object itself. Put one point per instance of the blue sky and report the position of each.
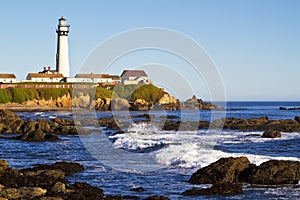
(255, 44)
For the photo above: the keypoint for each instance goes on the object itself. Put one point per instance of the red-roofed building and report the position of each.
(129, 77)
(8, 78)
(44, 77)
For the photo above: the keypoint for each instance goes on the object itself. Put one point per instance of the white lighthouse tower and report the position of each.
(62, 55)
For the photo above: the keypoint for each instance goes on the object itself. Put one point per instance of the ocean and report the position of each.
(162, 161)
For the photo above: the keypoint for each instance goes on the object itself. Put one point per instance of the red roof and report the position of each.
(44, 75)
(134, 73)
(7, 76)
(94, 76)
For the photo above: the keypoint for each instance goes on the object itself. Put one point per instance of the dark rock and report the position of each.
(168, 106)
(137, 189)
(171, 125)
(135, 106)
(7, 115)
(113, 197)
(110, 123)
(297, 118)
(51, 137)
(83, 131)
(271, 134)
(44, 125)
(72, 130)
(118, 133)
(173, 117)
(198, 104)
(3, 164)
(119, 104)
(130, 197)
(30, 178)
(119, 197)
(203, 124)
(156, 197)
(59, 121)
(68, 168)
(147, 116)
(29, 126)
(224, 170)
(216, 189)
(37, 136)
(282, 108)
(84, 191)
(274, 172)
(15, 126)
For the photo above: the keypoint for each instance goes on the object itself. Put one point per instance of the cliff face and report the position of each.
(64, 101)
(166, 102)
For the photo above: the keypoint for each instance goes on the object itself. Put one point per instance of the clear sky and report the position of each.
(254, 43)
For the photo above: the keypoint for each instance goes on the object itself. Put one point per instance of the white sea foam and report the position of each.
(189, 149)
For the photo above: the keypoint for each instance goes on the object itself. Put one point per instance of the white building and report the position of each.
(62, 55)
(130, 77)
(44, 77)
(8, 78)
(96, 78)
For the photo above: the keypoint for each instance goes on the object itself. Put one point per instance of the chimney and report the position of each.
(49, 68)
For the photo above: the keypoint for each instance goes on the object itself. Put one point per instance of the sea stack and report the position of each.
(62, 55)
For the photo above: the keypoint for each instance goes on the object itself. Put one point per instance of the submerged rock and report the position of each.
(271, 134)
(225, 170)
(156, 197)
(137, 189)
(216, 189)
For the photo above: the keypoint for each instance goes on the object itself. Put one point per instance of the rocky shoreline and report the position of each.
(227, 175)
(49, 182)
(49, 130)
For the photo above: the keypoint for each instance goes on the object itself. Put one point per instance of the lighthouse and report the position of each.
(62, 55)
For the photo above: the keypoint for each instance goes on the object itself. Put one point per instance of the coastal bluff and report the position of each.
(135, 98)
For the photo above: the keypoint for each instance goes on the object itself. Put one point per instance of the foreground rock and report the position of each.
(45, 181)
(22, 193)
(240, 170)
(225, 170)
(273, 172)
(216, 189)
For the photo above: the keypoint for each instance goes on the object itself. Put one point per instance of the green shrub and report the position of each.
(20, 95)
(103, 93)
(5, 96)
(150, 93)
(53, 93)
